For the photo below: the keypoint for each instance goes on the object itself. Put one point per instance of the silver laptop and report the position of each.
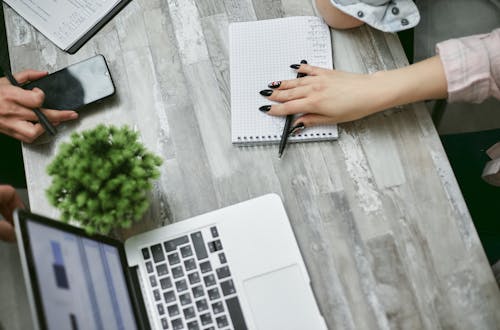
(235, 268)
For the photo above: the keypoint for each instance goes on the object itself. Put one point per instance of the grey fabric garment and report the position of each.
(384, 15)
(446, 19)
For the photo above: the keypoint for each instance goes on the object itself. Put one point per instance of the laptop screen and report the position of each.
(80, 280)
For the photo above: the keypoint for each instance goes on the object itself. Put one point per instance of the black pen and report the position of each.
(288, 122)
(41, 117)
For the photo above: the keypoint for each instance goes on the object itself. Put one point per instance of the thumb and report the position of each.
(312, 119)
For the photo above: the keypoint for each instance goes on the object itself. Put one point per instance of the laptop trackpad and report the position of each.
(281, 299)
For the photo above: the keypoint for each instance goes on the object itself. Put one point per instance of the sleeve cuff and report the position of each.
(467, 68)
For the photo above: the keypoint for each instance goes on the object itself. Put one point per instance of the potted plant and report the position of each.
(101, 178)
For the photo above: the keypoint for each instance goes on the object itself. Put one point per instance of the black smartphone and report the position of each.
(77, 85)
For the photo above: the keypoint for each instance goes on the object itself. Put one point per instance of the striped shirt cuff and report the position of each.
(471, 66)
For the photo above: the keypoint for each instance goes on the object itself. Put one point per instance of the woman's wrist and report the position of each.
(421, 81)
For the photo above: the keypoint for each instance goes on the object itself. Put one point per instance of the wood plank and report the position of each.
(210, 7)
(266, 9)
(381, 223)
(239, 10)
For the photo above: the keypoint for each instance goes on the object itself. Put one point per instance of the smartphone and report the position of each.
(76, 85)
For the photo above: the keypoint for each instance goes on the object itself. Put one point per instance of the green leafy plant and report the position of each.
(101, 178)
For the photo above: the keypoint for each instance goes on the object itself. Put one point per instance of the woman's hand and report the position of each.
(324, 96)
(16, 116)
(329, 96)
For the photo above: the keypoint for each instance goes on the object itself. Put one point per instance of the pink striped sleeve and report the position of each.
(472, 67)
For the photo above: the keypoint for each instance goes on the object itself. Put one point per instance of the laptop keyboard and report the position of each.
(191, 283)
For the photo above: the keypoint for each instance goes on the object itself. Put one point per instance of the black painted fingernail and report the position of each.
(266, 92)
(265, 108)
(303, 62)
(295, 66)
(274, 84)
(297, 128)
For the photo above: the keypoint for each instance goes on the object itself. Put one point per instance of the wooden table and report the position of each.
(379, 217)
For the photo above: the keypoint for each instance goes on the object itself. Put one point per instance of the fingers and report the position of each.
(29, 75)
(9, 201)
(7, 232)
(28, 98)
(27, 131)
(59, 115)
(16, 203)
(24, 131)
(311, 70)
(289, 108)
(310, 120)
(291, 93)
(34, 99)
(6, 194)
(287, 84)
(22, 124)
(18, 112)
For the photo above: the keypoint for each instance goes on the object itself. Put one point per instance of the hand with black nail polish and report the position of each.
(265, 108)
(297, 129)
(266, 92)
(274, 84)
(327, 96)
(322, 96)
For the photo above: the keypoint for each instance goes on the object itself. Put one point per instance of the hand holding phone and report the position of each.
(76, 85)
(17, 118)
(68, 89)
(46, 124)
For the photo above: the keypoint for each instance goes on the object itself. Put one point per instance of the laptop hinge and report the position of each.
(138, 301)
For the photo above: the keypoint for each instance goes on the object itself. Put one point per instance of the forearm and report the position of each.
(421, 81)
(330, 96)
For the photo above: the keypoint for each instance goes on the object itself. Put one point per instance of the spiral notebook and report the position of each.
(261, 52)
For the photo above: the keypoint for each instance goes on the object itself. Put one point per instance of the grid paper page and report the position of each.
(261, 52)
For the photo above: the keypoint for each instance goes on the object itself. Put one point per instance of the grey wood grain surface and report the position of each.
(378, 215)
